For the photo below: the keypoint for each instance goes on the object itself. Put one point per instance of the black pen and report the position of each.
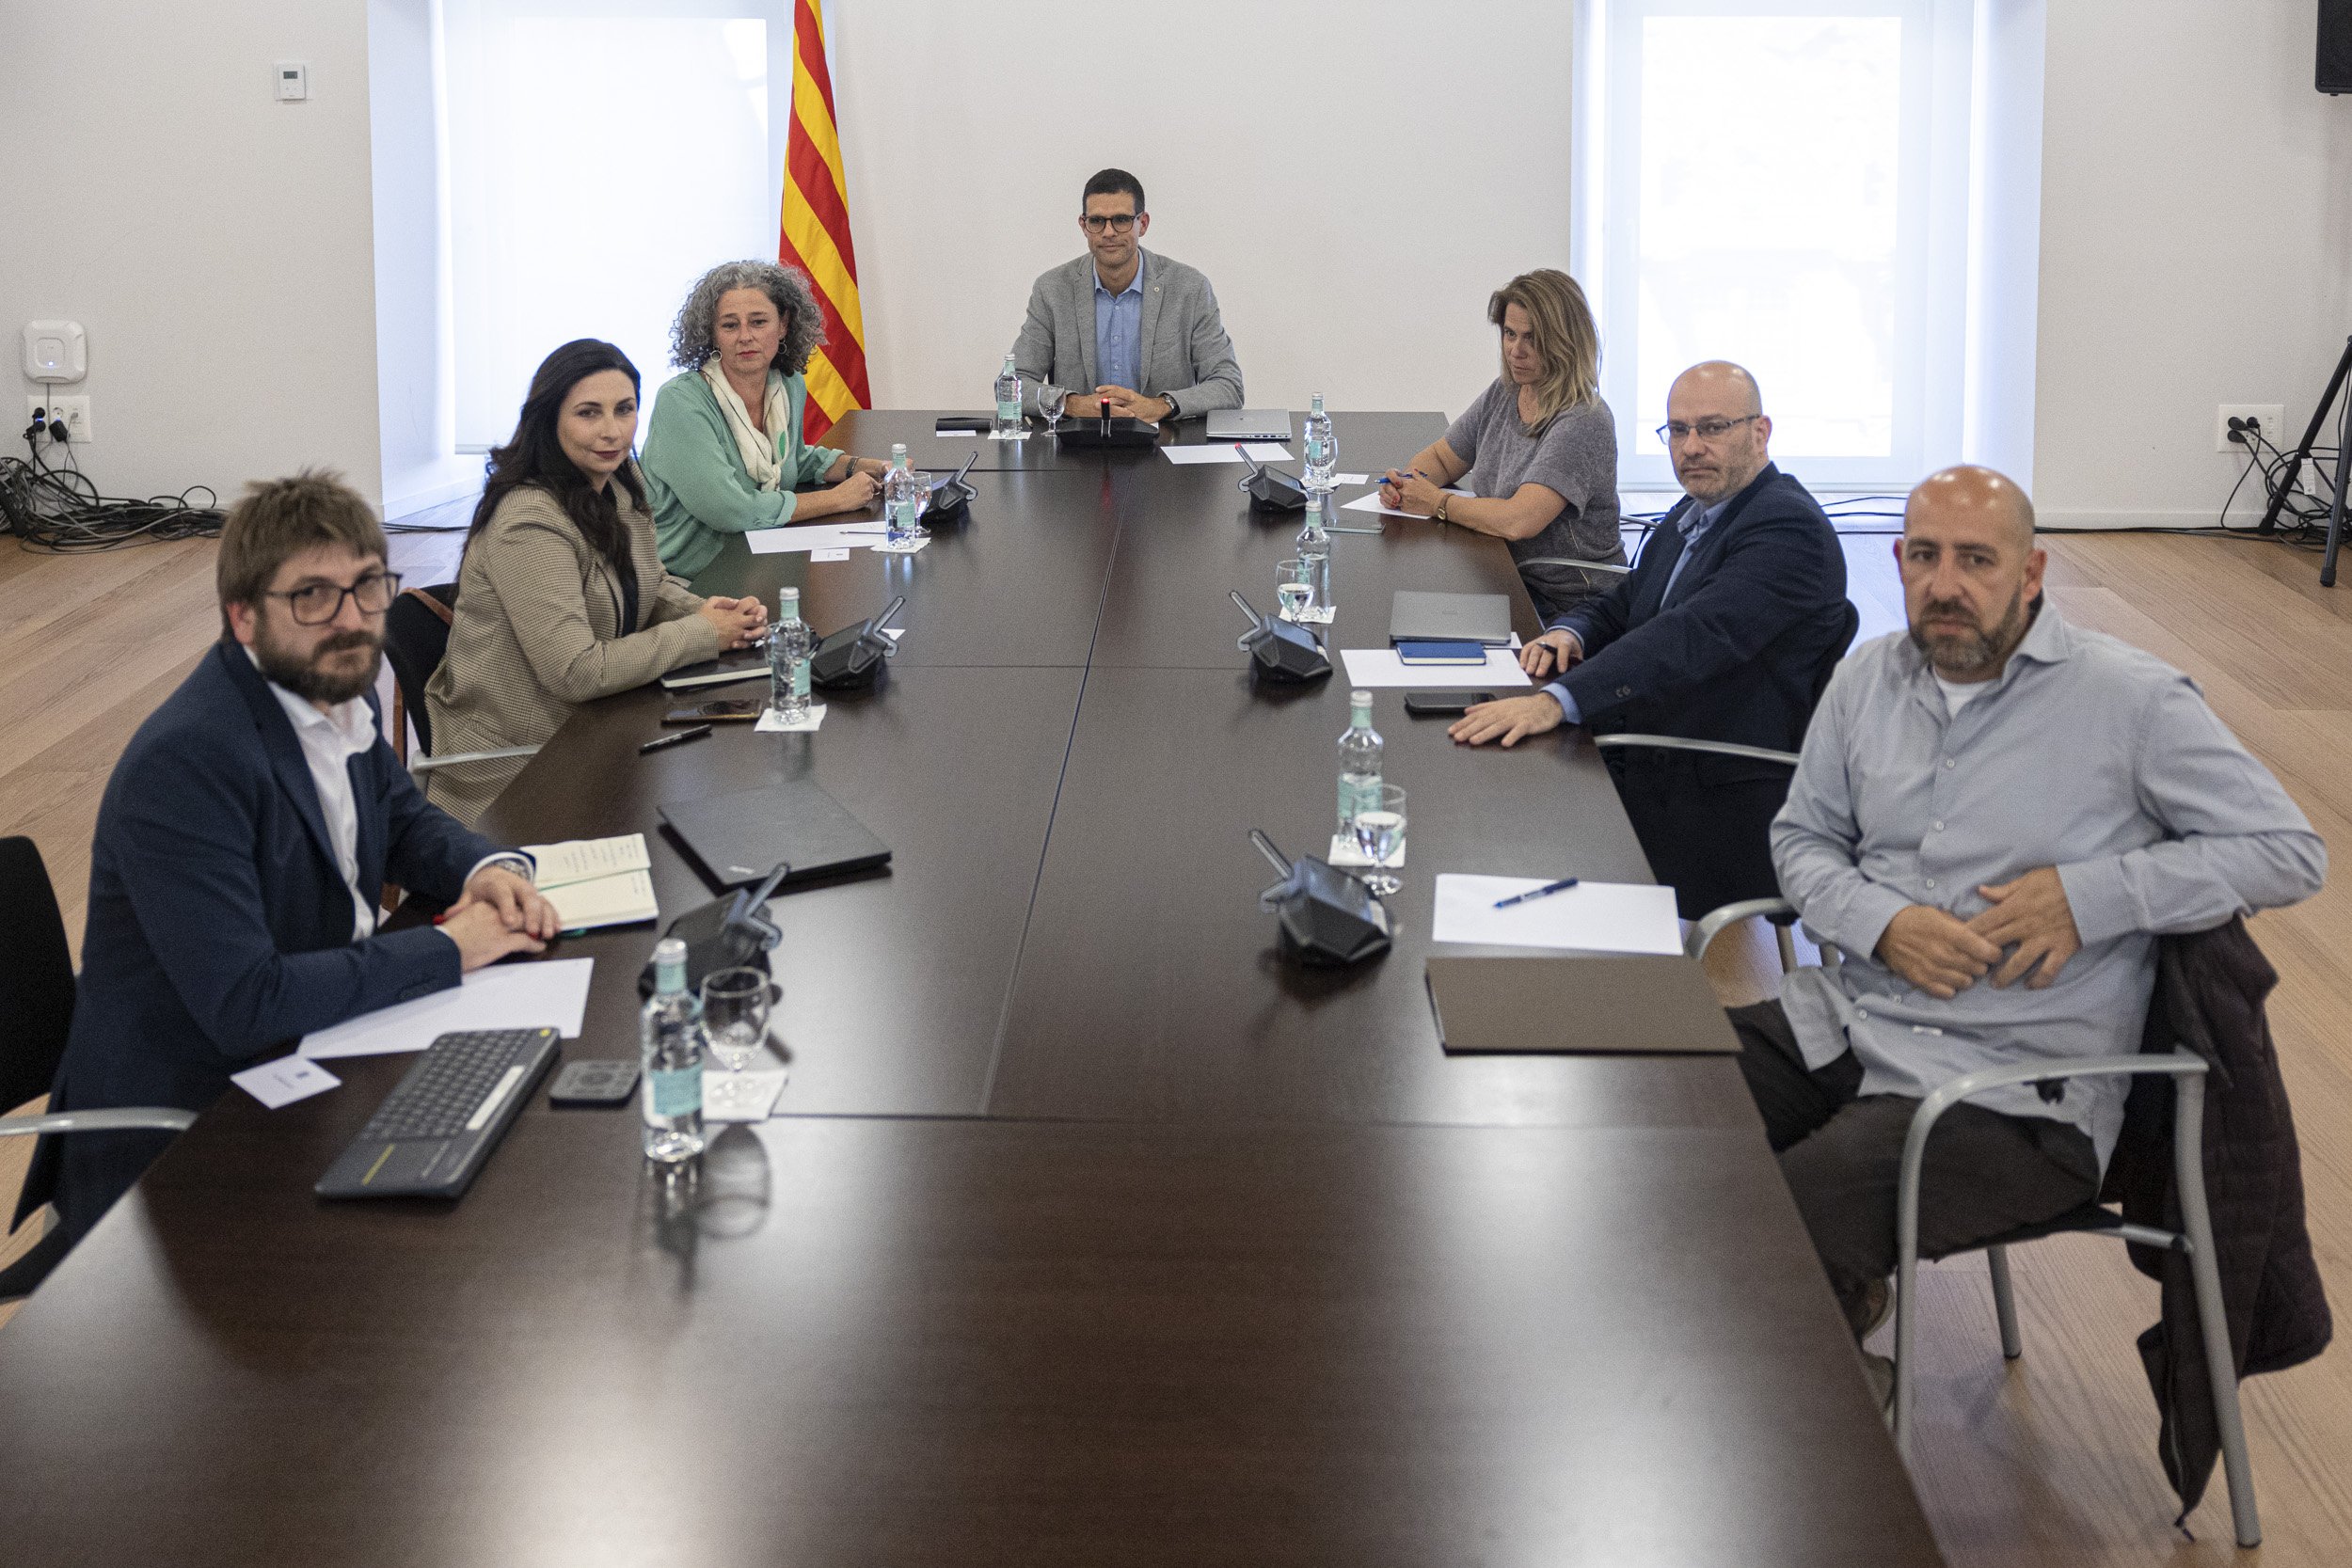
(1561, 886)
(681, 738)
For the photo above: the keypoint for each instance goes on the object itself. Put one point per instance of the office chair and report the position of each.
(37, 997)
(2195, 1238)
(415, 638)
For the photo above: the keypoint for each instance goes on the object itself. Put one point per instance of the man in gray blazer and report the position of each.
(1124, 324)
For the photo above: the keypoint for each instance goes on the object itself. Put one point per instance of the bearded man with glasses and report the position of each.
(1126, 325)
(244, 843)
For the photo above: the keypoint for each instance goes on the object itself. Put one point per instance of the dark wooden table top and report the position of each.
(1090, 1233)
(935, 1340)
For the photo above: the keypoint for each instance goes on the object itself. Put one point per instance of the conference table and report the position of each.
(1088, 1230)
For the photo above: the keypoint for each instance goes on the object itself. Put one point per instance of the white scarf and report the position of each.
(758, 451)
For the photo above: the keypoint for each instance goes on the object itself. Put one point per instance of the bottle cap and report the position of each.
(1359, 701)
(788, 601)
(1318, 402)
(669, 965)
(898, 451)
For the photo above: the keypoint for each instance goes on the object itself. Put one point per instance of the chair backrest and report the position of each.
(1849, 624)
(36, 976)
(415, 636)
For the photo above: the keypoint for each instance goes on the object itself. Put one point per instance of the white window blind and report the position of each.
(602, 156)
(1784, 183)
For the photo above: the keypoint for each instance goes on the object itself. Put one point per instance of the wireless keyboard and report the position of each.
(435, 1130)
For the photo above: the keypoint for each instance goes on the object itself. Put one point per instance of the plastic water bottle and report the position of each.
(789, 645)
(1360, 761)
(1323, 447)
(902, 500)
(671, 1028)
(1008, 400)
(1313, 545)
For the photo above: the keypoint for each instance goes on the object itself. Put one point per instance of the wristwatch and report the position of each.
(1171, 400)
(1439, 514)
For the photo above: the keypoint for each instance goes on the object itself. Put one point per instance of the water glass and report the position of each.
(1379, 828)
(1050, 399)
(1295, 585)
(734, 1016)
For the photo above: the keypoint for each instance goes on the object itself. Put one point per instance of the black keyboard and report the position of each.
(434, 1131)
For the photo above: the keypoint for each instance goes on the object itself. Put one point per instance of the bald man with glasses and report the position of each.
(1126, 325)
(1720, 633)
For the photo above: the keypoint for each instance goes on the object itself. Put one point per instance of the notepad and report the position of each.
(596, 882)
(580, 859)
(1597, 917)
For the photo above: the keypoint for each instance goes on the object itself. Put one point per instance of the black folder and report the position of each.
(739, 837)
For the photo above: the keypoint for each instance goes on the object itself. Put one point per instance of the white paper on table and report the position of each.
(842, 554)
(548, 995)
(1369, 501)
(1599, 917)
(1381, 666)
(286, 1081)
(1223, 451)
(748, 1095)
(580, 859)
(621, 899)
(813, 536)
(772, 722)
(1351, 479)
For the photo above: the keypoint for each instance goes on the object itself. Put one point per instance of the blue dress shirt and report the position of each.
(1119, 331)
(1694, 525)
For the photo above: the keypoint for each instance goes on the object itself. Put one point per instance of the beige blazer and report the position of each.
(538, 631)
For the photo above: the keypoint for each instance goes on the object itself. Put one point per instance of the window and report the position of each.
(602, 156)
(1783, 183)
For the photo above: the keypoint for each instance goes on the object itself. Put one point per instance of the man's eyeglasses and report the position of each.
(1675, 431)
(318, 603)
(1118, 223)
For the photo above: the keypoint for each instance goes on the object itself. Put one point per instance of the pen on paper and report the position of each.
(1545, 890)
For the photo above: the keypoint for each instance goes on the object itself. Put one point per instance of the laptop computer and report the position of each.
(1250, 424)
(739, 837)
(1417, 617)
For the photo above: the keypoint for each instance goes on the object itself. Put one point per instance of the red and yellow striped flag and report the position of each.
(816, 236)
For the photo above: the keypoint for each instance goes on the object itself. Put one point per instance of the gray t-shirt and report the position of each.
(1576, 456)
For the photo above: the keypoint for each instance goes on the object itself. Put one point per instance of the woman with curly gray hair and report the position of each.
(723, 452)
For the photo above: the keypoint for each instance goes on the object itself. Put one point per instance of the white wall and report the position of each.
(1444, 171)
(2196, 247)
(214, 243)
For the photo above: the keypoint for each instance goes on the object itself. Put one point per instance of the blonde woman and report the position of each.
(1537, 450)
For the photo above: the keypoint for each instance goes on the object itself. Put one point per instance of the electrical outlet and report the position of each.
(2271, 416)
(74, 411)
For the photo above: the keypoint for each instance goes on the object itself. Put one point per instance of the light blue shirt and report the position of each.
(2085, 754)
(1119, 331)
(1693, 528)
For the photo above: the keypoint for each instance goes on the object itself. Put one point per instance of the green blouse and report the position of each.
(696, 478)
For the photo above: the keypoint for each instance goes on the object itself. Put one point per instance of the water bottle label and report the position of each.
(677, 1093)
(800, 680)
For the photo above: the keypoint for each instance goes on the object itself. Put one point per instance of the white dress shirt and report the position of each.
(329, 740)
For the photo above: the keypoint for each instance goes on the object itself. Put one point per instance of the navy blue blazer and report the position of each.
(219, 924)
(1760, 613)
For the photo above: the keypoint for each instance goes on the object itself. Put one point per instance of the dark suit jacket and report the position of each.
(1758, 612)
(219, 925)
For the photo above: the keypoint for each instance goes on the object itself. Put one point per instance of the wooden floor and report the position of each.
(2049, 1460)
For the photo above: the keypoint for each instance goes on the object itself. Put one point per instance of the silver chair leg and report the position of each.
(2004, 1302)
(1787, 950)
(2189, 1160)
(1906, 1321)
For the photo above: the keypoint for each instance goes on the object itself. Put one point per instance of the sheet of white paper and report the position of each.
(286, 1081)
(840, 554)
(813, 536)
(1351, 479)
(1599, 917)
(580, 859)
(1369, 501)
(553, 994)
(1222, 451)
(772, 722)
(1381, 666)
(621, 899)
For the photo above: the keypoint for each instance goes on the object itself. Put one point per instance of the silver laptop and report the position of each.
(1250, 424)
(1450, 618)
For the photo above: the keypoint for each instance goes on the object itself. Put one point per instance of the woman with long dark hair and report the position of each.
(561, 597)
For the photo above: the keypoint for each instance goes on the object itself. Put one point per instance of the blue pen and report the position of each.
(1560, 886)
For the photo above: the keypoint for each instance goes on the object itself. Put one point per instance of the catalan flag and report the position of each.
(816, 236)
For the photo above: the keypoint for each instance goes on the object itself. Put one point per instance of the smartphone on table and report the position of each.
(725, 711)
(1444, 704)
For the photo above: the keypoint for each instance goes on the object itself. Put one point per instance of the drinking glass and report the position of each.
(1379, 828)
(1050, 399)
(1295, 585)
(734, 1018)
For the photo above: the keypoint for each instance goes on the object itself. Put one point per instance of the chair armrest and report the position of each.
(135, 1118)
(426, 764)
(1684, 743)
(1714, 923)
(1602, 566)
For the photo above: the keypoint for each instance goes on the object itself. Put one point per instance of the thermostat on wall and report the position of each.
(293, 81)
(56, 351)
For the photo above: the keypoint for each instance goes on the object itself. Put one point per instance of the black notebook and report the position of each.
(739, 837)
(742, 665)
